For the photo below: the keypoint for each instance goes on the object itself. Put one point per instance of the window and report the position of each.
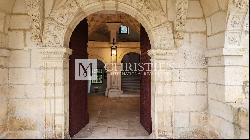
(124, 29)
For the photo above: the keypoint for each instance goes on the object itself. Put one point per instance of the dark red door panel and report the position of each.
(145, 93)
(78, 110)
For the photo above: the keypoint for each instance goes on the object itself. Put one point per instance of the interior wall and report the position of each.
(25, 103)
(102, 50)
(4, 54)
(190, 75)
(226, 106)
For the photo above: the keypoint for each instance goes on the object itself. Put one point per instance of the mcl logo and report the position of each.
(85, 69)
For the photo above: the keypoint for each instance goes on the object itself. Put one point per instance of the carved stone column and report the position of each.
(114, 72)
(113, 28)
(114, 80)
(161, 94)
(54, 76)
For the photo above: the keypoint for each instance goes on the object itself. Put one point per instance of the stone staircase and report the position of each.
(131, 85)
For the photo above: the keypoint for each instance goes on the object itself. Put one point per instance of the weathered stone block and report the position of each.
(2, 21)
(3, 40)
(216, 41)
(222, 110)
(32, 134)
(225, 129)
(163, 88)
(27, 108)
(20, 7)
(45, 76)
(4, 52)
(216, 75)
(232, 75)
(218, 22)
(209, 7)
(198, 119)
(244, 134)
(201, 88)
(29, 43)
(59, 76)
(243, 118)
(3, 62)
(4, 76)
(223, 4)
(59, 91)
(4, 91)
(193, 75)
(111, 5)
(194, 10)
(3, 110)
(184, 88)
(20, 124)
(26, 91)
(16, 40)
(20, 22)
(209, 26)
(171, 10)
(48, 5)
(59, 106)
(198, 42)
(49, 107)
(195, 25)
(181, 119)
(19, 59)
(164, 124)
(19, 76)
(216, 92)
(190, 103)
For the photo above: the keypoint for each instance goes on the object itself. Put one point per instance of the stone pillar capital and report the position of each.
(50, 57)
(113, 28)
(53, 53)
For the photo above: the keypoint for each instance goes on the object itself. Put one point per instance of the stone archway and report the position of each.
(55, 39)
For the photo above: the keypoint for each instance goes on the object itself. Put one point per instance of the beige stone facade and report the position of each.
(204, 90)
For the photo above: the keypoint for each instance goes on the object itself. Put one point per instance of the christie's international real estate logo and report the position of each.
(85, 69)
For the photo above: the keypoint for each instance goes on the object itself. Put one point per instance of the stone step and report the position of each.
(131, 84)
(133, 91)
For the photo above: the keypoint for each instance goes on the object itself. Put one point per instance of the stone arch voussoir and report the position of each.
(59, 27)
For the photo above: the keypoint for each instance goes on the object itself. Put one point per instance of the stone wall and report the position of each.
(190, 75)
(25, 104)
(4, 54)
(225, 67)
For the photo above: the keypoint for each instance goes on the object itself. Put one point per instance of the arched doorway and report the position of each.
(131, 78)
(78, 101)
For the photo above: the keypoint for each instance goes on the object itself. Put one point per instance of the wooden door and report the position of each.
(145, 90)
(78, 90)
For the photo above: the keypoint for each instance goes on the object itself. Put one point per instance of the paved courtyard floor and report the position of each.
(113, 118)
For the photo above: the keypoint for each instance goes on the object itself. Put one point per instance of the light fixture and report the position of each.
(114, 51)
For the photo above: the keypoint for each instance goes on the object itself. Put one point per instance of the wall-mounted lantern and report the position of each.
(114, 52)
